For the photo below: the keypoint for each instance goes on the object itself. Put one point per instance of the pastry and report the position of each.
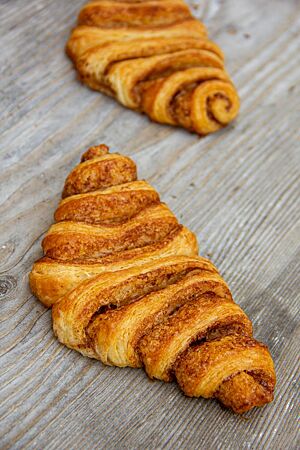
(154, 57)
(127, 287)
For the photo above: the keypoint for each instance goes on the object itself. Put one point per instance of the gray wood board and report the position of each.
(237, 189)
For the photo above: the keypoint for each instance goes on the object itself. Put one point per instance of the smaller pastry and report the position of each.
(154, 57)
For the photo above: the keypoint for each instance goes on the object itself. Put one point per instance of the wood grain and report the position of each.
(237, 189)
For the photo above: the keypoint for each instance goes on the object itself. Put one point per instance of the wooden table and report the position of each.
(237, 189)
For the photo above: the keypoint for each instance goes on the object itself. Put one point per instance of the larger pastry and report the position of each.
(127, 287)
(153, 56)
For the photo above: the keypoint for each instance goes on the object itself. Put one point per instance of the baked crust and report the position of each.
(154, 57)
(127, 287)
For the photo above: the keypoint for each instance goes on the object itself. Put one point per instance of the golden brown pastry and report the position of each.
(128, 288)
(154, 56)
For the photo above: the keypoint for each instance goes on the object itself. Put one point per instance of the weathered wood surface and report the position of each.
(237, 189)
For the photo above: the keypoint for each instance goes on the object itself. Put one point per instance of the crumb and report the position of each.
(231, 29)
(291, 89)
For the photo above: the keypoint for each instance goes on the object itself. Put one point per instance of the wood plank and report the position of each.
(237, 189)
